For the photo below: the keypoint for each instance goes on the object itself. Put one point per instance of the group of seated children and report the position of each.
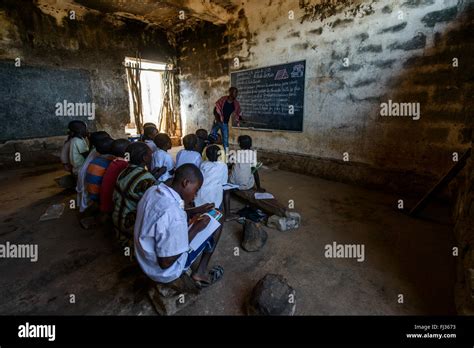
(156, 205)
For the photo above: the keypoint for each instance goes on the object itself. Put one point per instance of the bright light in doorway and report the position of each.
(151, 90)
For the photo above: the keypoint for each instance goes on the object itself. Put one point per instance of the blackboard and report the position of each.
(28, 97)
(272, 97)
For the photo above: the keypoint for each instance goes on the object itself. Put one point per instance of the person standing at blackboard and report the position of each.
(223, 111)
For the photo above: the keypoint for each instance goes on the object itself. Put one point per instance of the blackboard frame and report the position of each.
(303, 109)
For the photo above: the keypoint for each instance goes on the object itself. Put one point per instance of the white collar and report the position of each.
(173, 193)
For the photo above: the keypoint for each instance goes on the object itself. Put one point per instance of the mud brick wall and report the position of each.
(204, 71)
(358, 55)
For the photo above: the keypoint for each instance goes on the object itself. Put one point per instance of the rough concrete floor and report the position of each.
(403, 255)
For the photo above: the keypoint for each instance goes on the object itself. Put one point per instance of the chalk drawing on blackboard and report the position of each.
(298, 70)
(281, 75)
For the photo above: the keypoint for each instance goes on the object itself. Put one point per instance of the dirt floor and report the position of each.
(403, 255)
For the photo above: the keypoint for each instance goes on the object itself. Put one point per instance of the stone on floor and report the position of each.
(272, 296)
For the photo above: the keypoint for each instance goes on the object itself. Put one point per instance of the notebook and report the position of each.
(202, 236)
(263, 195)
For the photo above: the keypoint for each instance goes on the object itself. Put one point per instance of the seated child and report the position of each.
(243, 173)
(162, 234)
(149, 133)
(97, 168)
(82, 198)
(147, 124)
(215, 176)
(161, 158)
(202, 140)
(110, 177)
(65, 150)
(189, 153)
(216, 140)
(131, 185)
(78, 148)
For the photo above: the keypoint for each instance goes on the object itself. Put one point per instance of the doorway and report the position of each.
(148, 83)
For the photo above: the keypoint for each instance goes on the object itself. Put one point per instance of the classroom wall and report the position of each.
(94, 44)
(398, 50)
(464, 234)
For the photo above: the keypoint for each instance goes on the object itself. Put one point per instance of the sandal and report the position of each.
(215, 274)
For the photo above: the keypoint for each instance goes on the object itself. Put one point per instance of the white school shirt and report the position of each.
(211, 191)
(242, 175)
(160, 159)
(151, 144)
(187, 156)
(161, 230)
(65, 152)
(82, 198)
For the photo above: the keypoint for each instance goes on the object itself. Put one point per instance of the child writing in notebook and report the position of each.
(215, 175)
(163, 237)
(245, 173)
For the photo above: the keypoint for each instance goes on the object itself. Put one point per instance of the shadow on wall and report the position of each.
(404, 154)
(433, 101)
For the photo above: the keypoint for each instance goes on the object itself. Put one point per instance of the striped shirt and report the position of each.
(95, 174)
(130, 187)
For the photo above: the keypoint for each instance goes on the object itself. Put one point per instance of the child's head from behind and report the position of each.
(77, 129)
(104, 145)
(96, 136)
(149, 124)
(119, 147)
(187, 181)
(202, 134)
(139, 153)
(212, 153)
(190, 142)
(212, 138)
(245, 142)
(163, 141)
(149, 133)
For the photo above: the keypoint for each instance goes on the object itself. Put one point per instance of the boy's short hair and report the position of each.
(188, 171)
(149, 124)
(212, 153)
(104, 145)
(162, 140)
(202, 133)
(137, 151)
(148, 132)
(212, 138)
(190, 142)
(77, 128)
(95, 136)
(245, 142)
(119, 146)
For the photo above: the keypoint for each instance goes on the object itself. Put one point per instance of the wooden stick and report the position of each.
(441, 183)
